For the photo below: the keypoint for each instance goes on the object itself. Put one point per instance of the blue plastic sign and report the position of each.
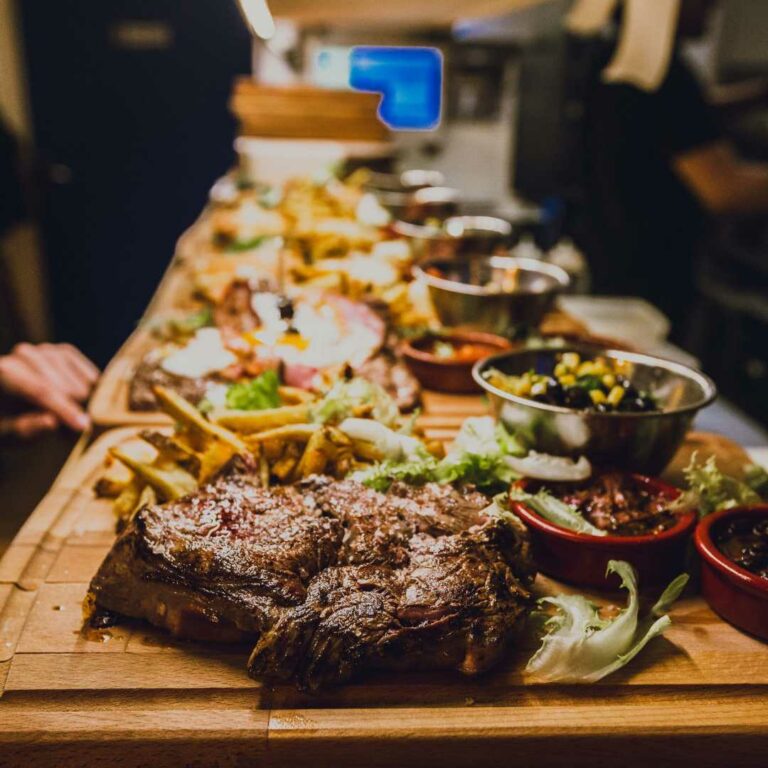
(410, 81)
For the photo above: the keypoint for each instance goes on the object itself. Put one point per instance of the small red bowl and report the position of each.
(582, 559)
(740, 597)
(447, 375)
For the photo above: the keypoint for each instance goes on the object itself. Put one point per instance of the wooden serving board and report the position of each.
(135, 697)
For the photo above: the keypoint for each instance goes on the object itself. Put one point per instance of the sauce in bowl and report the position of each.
(619, 504)
(744, 541)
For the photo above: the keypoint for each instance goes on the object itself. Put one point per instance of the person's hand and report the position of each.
(55, 379)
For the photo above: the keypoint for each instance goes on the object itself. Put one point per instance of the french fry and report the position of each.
(186, 413)
(169, 483)
(171, 452)
(247, 422)
(317, 454)
(299, 432)
(213, 459)
(147, 497)
(295, 395)
(125, 503)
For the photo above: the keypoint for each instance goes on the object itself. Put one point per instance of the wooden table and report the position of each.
(135, 697)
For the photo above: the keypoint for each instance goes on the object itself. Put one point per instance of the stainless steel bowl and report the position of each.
(491, 293)
(640, 442)
(407, 181)
(458, 238)
(422, 205)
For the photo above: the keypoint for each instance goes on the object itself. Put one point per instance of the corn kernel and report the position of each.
(568, 380)
(539, 388)
(597, 395)
(570, 360)
(609, 381)
(561, 369)
(523, 388)
(587, 368)
(615, 395)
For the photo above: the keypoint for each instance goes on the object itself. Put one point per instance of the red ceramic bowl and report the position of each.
(737, 595)
(582, 559)
(448, 375)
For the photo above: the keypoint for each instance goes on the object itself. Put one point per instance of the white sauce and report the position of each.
(203, 355)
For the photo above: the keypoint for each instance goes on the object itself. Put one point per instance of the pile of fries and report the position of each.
(275, 446)
(311, 234)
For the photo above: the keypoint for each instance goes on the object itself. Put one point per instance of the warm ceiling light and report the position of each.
(259, 17)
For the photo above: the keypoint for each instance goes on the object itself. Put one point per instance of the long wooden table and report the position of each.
(131, 696)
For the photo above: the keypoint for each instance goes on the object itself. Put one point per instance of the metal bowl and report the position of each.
(458, 238)
(422, 205)
(407, 181)
(492, 293)
(636, 442)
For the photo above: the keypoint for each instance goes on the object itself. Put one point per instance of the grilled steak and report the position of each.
(329, 576)
(218, 563)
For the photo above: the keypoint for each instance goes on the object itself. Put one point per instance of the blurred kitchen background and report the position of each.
(121, 111)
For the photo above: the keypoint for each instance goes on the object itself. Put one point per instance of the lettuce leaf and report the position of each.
(583, 647)
(711, 490)
(256, 394)
(477, 457)
(556, 511)
(345, 399)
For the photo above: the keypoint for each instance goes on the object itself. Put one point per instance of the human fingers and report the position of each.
(28, 425)
(19, 378)
(45, 363)
(78, 360)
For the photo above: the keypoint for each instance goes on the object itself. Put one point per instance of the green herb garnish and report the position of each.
(256, 394)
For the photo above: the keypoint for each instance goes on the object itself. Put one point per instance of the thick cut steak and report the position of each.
(329, 576)
(217, 564)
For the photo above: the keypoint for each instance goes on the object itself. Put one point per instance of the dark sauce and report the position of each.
(618, 504)
(745, 542)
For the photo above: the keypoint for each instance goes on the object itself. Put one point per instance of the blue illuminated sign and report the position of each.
(410, 81)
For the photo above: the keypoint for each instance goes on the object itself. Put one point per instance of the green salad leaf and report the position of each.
(192, 322)
(556, 511)
(711, 490)
(583, 647)
(344, 399)
(477, 457)
(256, 394)
(236, 246)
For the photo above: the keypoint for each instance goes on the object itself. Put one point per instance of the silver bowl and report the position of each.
(459, 237)
(497, 294)
(407, 181)
(422, 205)
(639, 442)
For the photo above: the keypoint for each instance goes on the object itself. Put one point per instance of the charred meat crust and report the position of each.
(330, 577)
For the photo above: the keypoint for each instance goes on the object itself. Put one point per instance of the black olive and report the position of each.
(575, 397)
(285, 305)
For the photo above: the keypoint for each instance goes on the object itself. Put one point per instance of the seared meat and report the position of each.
(234, 314)
(455, 605)
(149, 374)
(218, 562)
(331, 576)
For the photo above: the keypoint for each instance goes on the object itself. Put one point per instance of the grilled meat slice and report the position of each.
(456, 605)
(216, 564)
(348, 612)
(149, 374)
(331, 576)
(375, 531)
